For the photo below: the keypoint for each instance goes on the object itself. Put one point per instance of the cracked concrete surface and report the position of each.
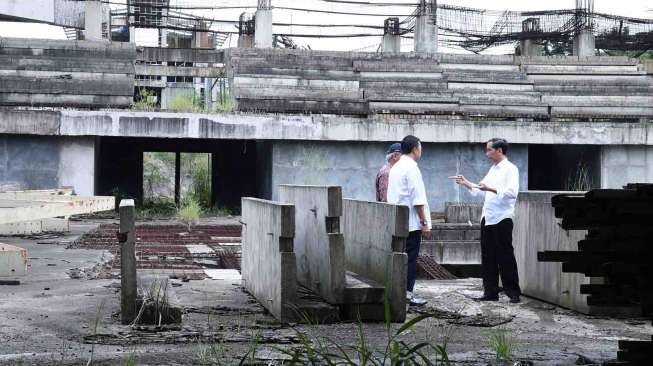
(48, 319)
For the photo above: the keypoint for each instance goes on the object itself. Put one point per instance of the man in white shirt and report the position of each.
(500, 187)
(406, 188)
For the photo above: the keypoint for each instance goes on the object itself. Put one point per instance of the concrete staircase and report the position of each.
(455, 243)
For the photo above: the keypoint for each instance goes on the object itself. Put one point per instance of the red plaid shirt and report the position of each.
(382, 183)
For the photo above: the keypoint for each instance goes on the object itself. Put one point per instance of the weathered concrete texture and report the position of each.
(317, 127)
(263, 28)
(375, 247)
(354, 167)
(537, 229)
(584, 43)
(38, 72)
(54, 225)
(463, 213)
(319, 244)
(34, 162)
(621, 165)
(268, 262)
(65, 13)
(128, 280)
(13, 261)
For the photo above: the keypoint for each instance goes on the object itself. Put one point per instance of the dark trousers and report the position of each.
(412, 249)
(498, 258)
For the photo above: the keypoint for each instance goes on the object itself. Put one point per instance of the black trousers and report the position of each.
(413, 243)
(498, 258)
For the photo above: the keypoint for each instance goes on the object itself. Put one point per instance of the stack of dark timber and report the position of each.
(618, 247)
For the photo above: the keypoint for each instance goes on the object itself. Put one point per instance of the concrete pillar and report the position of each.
(93, 20)
(132, 34)
(426, 34)
(128, 282)
(246, 31)
(178, 179)
(584, 43)
(391, 37)
(263, 28)
(529, 48)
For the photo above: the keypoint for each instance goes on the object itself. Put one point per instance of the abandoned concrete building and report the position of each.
(296, 137)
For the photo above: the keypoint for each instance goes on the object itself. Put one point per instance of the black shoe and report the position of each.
(487, 298)
(515, 299)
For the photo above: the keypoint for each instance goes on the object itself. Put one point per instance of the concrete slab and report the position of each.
(375, 244)
(318, 245)
(13, 261)
(268, 262)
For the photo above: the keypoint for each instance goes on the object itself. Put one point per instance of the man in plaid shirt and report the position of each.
(392, 156)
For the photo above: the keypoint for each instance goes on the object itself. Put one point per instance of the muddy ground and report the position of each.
(66, 311)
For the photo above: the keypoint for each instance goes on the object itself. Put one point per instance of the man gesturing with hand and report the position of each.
(500, 187)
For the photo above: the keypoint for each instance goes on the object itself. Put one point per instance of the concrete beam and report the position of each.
(12, 211)
(194, 55)
(316, 127)
(160, 70)
(263, 28)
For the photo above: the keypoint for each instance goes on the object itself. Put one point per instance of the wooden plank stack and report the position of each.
(618, 248)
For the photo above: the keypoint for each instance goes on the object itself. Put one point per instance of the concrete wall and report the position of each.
(375, 247)
(268, 261)
(536, 229)
(37, 162)
(353, 165)
(626, 164)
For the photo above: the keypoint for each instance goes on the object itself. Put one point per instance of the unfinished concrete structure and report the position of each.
(353, 270)
(558, 112)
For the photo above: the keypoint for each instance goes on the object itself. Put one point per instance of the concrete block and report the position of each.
(56, 225)
(360, 290)
(375, 244)
(463, 213)
(318, 244)
(268, 265)
(13, 261)
(453, 251)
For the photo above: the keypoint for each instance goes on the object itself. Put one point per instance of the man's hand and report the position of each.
(461, 180)
(426, 231)
(483, 187)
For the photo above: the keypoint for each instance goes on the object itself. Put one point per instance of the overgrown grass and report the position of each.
(580, 179)
(190, 213)
(502, 343)
(157, 207)
(320, 350)
(191, 102)
(145, 101)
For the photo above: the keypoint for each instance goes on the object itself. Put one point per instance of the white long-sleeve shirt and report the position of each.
(504, 177)
(406, 188)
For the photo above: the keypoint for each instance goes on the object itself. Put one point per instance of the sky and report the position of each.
(147, 37)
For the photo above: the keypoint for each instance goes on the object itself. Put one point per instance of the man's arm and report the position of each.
(474, 189)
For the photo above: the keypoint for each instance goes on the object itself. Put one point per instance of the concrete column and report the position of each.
(93, 21)
(246, 30)
(391, 37)
(263, 28)
(391, 44)
(178, 179)
(132, 34)
(584, 43)
(128, 282)
(530, 48)
(426, 34)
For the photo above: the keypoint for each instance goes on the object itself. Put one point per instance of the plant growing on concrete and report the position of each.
(145, 101)
(503, 345)
(190, 213)
(94, 329)
(579, 180)
(210, 354)
(318, 350)
(186, 102)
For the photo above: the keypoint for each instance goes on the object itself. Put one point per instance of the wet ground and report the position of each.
(65, 312)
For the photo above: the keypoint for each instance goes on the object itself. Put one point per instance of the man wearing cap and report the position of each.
(392, 156)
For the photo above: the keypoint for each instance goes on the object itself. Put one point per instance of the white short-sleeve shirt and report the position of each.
(406, 188)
